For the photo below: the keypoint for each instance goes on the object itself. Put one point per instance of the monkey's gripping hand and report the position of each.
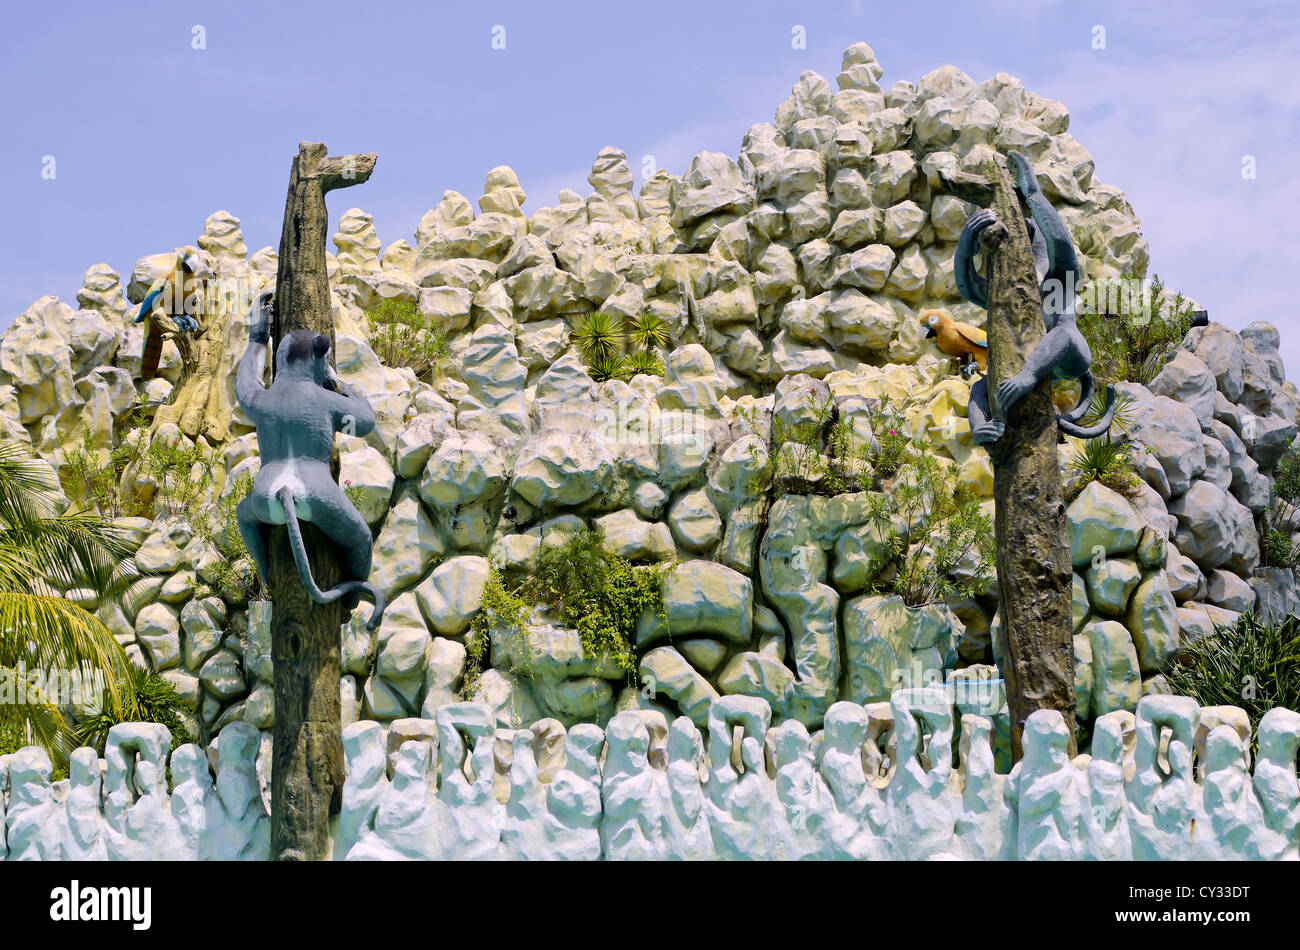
(259, 330)
(355, 415)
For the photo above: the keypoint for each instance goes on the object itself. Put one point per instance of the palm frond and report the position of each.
(36, 720)
(50, 632)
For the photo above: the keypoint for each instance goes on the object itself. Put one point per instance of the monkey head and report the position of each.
(304, 355)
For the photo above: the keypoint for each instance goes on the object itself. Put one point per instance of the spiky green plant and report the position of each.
(1275, 545)
(642, 363)
(42, 553)
(648, 332)
(598, 336)
(1250, 663)
(1277, 549)
(1106, 461)
(603, 368)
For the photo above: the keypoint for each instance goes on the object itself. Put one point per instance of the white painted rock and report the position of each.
(451, 596)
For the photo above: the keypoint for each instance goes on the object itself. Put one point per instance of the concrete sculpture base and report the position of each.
(878, 782)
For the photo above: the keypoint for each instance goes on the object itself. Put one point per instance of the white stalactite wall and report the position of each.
(878, 782)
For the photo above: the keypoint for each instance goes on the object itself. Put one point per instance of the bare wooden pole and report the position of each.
(307, 750)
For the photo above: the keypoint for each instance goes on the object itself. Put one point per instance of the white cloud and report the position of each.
(1170, 125)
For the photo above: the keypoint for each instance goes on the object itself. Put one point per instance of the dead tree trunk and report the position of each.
(307, 751)
(1033, 557)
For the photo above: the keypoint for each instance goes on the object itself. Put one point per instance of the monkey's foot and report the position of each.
(990, 431)
(1011, 391)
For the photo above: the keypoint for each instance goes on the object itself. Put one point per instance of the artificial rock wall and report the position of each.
(881, 781)
(788, 275)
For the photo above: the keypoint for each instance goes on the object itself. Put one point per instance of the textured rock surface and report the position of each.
(645, 788)
(787, 276)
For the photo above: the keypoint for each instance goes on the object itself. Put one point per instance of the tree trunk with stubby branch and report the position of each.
(1033, 556)
(307, 751)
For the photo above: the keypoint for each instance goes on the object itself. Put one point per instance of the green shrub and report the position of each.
(598, 593)
(87, 475)
(401, 336)
(891, 446)
(820, 455)
(604, 367)
(1277, 549)
(144, 697)
(500, 608)
(586, 587)
(602, 340)
(179, 470)
(801, 454)
(641, 363)
(1249, 663)
(231, 576)
(1103, 460)
(648, 332)
(938, 543)
(949, 548)
(1286, 479)
(1276, 546)
(1134, 346)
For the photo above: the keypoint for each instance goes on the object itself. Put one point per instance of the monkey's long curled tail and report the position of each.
(370, 591)
(1069, 422)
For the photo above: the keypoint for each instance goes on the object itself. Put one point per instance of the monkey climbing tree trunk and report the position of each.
(1033, 558)
(307, 751)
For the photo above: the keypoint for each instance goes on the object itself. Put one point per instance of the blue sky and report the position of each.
(150, 135)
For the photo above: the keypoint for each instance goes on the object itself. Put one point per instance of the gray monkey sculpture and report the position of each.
(296, 420)
(1063, 353)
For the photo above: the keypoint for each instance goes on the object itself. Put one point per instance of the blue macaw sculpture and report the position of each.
(177, 277)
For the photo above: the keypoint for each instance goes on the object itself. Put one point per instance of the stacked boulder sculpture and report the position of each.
(791, 275)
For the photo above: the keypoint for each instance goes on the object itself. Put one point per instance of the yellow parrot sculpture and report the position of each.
(957, 339)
